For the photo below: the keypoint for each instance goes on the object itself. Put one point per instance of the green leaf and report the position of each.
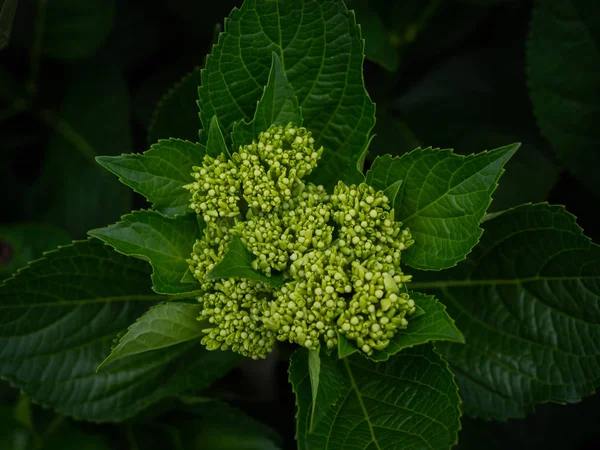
(433, 325)
(378, 43)
(86, 196)
(321, 52)
(278, 105)
(215, 426)
(13, 435)
(160, 173)
(215, 144)
(314, 369)
(58, 318)
(22, 243)
(237, 263)
(442, 199)
(411, 401)
(163, 241)
(7, 15)
(345, 347)
(176, 115)
(564, 41)
(526, 300)
(474, 101)
(65, 29)
(70, 438)
(164, 325)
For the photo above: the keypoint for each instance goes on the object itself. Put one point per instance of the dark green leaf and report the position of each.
(321, 51)
(20, 244)
(215, 426)
(7, 15)
(66, 29)
(378, 44)
(176, 115)
(58, 319)
(215, 143)
(163, 241)
(433, 325)
(13, 435)
(563, 63)
(314, 370)
(70, 438)
(526, 300)
(164, 325)
(277, 106)
(160, 173)
(237, 263)
(442, 199)
(411, 401)
(86, 196)
(474, 101)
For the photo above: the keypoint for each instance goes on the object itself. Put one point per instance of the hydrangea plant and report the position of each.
(395, 287)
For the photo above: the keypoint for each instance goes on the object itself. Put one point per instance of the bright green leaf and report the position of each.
(20, 244)
(58, 319)
(278, 105)
(162, 326)
(314, 369)
(410, 401)
(176, 115)
(237, 263)
(215, 144)
(442, 199)
(563, 63)
(527, 301)
(321, 52)
(163, 241)
(160, 173)
(86, 196)
(433, 325)
(345, 347)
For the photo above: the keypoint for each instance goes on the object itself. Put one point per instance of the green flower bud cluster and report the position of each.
(339, 254)
(234, 311)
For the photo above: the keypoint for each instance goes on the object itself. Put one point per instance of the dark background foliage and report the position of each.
(81, 79)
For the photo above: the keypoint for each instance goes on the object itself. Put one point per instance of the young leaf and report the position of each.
(345, 347)
(215, 144)
(564, 41)
(278, 105)
(442, 199)
(58, 318)
(237, 263)
(176, 114)
(160, 173)
(526, 300)
(410, 401)
(22, 243)
(321, 52)
(433, 325)
(162, 326)
(314, 369)
(165, 242)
